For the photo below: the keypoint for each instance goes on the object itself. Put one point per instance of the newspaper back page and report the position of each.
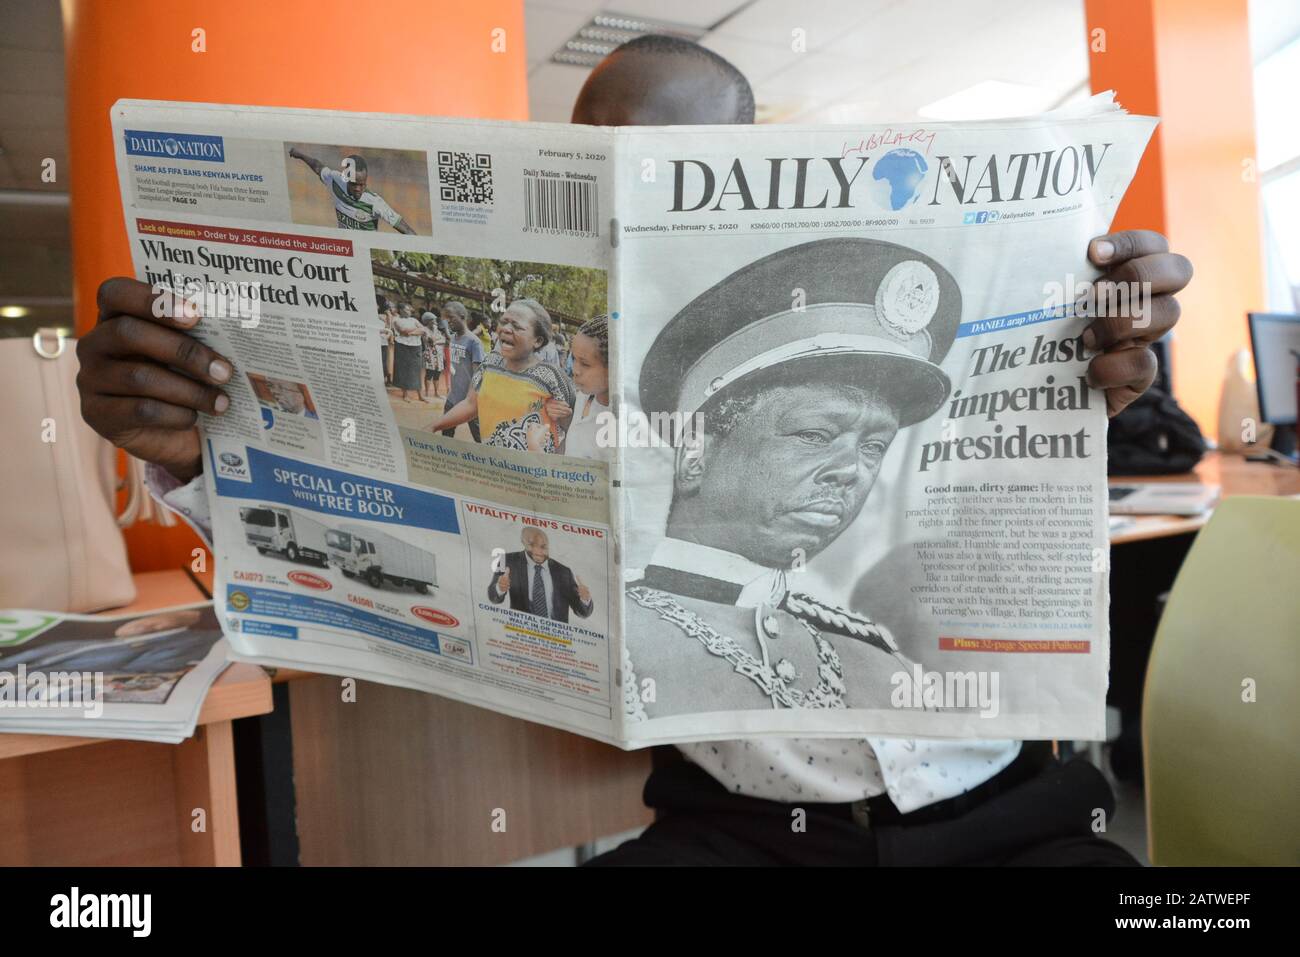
(392, 494)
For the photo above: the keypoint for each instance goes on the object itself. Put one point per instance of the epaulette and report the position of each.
(839, 620)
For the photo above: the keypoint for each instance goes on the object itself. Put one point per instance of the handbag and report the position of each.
(63, 548)
(1153, 436)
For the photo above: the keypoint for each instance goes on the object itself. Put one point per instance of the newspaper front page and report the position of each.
(655, 435)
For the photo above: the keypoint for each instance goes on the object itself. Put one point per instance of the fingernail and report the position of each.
(219, 370)
(183, 313)
(222, 403)
(1089, 339)
(1103, 250)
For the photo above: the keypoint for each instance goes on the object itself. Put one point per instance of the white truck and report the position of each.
(272, 528)
(380, 558)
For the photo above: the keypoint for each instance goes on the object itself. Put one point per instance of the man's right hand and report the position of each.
(503, 583)
(143, 378)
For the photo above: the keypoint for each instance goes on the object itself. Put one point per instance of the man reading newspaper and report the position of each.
(870, 801)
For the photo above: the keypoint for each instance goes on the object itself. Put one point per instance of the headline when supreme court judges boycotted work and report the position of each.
(653, 434)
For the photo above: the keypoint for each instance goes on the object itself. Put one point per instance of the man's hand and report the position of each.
(1134, 305)
(143, 379)
(503, 583)
(584, 593)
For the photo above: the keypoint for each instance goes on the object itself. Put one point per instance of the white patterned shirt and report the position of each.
(913, 772)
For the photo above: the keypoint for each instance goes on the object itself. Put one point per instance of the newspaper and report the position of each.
(140, 676)
(748, 431)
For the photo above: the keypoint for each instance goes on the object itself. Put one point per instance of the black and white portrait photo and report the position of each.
(801, 369)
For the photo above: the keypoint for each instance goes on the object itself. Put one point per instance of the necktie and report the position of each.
(537, 604)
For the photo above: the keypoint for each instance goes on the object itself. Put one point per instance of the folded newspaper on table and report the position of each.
(139, 676)
(776, 430)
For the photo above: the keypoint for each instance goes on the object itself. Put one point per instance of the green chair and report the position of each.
(1223, 771)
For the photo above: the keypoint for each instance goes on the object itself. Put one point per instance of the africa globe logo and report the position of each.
(897, 179)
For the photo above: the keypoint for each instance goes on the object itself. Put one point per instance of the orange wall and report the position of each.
(1189, 63)
(431, 57)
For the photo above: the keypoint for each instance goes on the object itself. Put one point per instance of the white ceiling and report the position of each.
(862, 59)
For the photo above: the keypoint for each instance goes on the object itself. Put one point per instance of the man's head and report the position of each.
(357, 181)
(664, 81)
(784, 464)
(153, 624)
(457, 317)
(797, 405)
(536, 544)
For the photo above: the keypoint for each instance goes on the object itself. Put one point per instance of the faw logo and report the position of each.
(309, 580)
(434, 616)
(231, 465)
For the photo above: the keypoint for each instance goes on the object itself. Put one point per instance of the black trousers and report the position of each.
(1036, 812)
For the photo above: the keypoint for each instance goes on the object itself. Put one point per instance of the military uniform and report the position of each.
(767, 646)
(715, 631)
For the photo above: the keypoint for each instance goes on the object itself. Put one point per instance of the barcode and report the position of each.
(562, 205)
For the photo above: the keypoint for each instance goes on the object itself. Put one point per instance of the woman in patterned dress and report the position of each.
(510, 391)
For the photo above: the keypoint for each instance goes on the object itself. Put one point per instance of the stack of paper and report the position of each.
(140, 676)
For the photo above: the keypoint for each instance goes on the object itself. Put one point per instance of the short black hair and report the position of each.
(662, 44)
(358, 162)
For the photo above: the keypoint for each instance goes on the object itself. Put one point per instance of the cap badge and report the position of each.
(907, 298)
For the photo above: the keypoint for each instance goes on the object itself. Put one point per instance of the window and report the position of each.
(1277, 77)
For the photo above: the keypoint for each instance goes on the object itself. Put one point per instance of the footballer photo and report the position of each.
(352, 187)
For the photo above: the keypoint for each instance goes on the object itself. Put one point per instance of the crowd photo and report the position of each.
(508, 354)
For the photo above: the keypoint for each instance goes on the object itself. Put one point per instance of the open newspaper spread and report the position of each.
(654, 434)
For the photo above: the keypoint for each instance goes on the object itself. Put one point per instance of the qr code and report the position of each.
(465, 177)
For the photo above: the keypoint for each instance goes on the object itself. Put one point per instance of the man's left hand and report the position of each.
(1134, 305)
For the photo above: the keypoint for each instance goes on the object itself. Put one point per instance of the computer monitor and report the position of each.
(1275, 344)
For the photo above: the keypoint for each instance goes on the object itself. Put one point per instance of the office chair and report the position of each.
(1221, 739)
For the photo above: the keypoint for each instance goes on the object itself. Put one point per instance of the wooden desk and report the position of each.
(99, 801)
(1230, 471)
(400, 777)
